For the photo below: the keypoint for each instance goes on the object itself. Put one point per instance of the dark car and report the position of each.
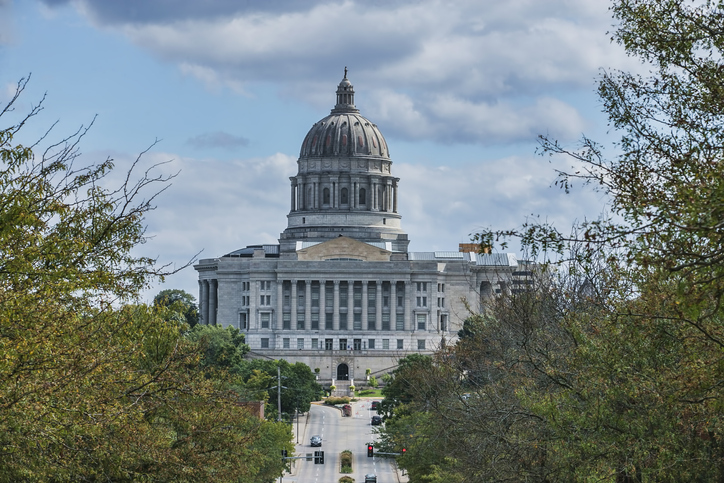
(375, 404)
(376, 420)
(316, 440)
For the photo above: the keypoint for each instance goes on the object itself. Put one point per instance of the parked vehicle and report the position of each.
(375, 404)
(376, 420)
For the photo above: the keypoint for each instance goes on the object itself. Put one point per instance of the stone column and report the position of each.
(294, 185)
(278, 317)
(322, 306)
(394, 196)
(378, 307)
(213, 294)
(336, 305)
(393, 305)
(307, 304)
(364, 304)
(204, 301)
(350, 305)
(293, 322)
(409, 322)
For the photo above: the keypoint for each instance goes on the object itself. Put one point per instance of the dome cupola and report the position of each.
(344, 184)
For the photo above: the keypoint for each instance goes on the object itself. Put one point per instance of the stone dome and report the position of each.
(344, 132)
(344, 184)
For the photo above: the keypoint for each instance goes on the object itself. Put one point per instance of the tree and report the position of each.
(645, 400)
(223, 347)
(94, 386)
(181, 302)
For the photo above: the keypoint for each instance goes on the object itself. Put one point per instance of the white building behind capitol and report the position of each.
(340, 292)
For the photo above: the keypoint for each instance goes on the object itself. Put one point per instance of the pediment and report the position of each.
(344, 248)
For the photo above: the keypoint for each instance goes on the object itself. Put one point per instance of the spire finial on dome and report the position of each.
(345, 95)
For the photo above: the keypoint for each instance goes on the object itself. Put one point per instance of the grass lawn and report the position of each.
(369, 393)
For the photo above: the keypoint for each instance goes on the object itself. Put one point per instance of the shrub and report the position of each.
(345, 461)
(346, 479)
(333, 401)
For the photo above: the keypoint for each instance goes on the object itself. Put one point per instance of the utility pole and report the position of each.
(279, 394)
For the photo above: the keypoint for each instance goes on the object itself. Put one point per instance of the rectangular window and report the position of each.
(421, 321)
(371, 295)
(443, 322)
(328, 321)
(264, 342)
(371, 321)
(328, 344)
(343, 321)
(400, 300)
(343, 344)
(400, 344)
(371, 343)
(300, 343)
(357, 294)
(422, 301)
(265, 317)
(400, 322)
(343, 294)
(300, 294)
(385, 321)
(300, 321)
(287, 321)
(329, 295)
(357, 344)
(315, 343)
(421, 345)
(242, 321)
(315, 294)
(285, 343)
(357, 321)
(385, 344)
(421, 286)
(315, 321)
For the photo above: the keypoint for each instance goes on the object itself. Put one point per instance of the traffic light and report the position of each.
(319, 457)
(403, 451)
(370, 451)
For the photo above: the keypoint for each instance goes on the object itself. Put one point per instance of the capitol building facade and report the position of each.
(341, 292)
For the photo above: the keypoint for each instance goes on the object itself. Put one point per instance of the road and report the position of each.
(338, 434)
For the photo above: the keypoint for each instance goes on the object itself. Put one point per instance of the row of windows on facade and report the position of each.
(266, 301)
(342, 344)
(328, 321)
(357, 293)
(266, 285)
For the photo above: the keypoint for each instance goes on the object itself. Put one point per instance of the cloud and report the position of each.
(483, 71)
(217, 139)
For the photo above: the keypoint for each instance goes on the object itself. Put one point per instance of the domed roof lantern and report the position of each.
(345, 96)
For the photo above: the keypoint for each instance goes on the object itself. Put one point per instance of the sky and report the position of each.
(222, 93)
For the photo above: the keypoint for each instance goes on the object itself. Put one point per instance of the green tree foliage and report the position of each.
(300, 382)
(182, 304)
(223, 347)
(92, 386)
(609, 368)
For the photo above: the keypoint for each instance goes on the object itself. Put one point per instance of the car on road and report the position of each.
(376, 420)
(375, 404)
(316, 440)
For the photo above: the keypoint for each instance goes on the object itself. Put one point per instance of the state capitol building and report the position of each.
(341, 292)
